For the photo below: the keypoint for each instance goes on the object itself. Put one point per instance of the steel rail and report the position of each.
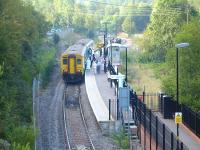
(65, 125)
(84, 122)
(91, 147)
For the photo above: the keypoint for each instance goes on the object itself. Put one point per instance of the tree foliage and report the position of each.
(168, 26)
(87, 17)
(121, 139)
(189, 66)
(21, 30)
(165, 22)
(128, 25)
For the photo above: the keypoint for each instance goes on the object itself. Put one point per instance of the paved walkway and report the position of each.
(99, 93)
(99, 108)
(186, 136)
(104, 87)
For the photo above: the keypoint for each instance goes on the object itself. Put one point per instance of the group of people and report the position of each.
(96, 63)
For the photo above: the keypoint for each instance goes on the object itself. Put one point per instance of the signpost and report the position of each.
(178, 119)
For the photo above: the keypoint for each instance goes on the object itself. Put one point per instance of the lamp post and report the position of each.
(111, 53)
(105, 38)
(180, 45)
(126, 67)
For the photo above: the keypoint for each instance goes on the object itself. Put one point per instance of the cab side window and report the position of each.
(78, 61)
(65, 61)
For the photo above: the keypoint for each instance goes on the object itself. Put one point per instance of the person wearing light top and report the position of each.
(88, 64)
(94, 67)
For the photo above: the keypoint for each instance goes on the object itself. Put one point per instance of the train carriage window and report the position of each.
(65, 61)
(78, 61)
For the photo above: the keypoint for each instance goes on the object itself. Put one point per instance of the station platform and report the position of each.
(99, 92)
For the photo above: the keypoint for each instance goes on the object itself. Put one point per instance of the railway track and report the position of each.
(77, 135)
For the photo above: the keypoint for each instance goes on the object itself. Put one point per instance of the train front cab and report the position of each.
(73, 69)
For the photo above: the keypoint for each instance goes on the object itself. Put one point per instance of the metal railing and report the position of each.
(191, 119)
(154, 130)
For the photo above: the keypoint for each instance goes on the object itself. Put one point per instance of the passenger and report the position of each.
(88, 64)
(98, 66)
(94, 67)
(93, 59)
(105, 68)
(100, 52)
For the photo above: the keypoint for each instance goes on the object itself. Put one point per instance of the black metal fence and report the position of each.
(191, 119)
(153, 129)
(113, 108)
(151, 100)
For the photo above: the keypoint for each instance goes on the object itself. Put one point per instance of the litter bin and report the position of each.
(168, 107)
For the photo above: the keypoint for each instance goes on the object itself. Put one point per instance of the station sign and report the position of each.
(178, 117)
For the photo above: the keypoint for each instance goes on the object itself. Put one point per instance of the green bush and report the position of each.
(45, 63)
(21, 137)
(121, 139)
(17, 146)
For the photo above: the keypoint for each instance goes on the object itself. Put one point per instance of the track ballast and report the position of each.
(76, 130)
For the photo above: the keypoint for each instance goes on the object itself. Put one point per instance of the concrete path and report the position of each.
(186, 136)
(99, 108)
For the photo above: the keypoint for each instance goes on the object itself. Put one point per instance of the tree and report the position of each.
(165, 22)
(21, 30)
(128, 25)
(189, 65)
(78, 21)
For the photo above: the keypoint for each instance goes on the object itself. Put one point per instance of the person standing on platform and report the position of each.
(105, 68)
(88, 64)
(95, 67)
(98, 66)
(93, 59)
(100, 52)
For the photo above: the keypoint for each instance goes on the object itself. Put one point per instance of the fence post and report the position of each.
(109, 108)
(145, 126)
(34, 117)
(195, 123)
(150, 127)
(163, 136)
(181, 145)
(117, 109)
(177, 137)
(143, 96)
(156, 132)
(140, 119)
(133, 108)
(172, 141)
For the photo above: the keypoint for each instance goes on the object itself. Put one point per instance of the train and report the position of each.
(73, 61)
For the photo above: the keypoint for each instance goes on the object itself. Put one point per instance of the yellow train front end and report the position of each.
(72, 67)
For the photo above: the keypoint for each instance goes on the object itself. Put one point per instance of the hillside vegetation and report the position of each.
(22, 30)
(90, 16)
(164, 31)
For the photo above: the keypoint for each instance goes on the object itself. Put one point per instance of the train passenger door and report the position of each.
(72, 65)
